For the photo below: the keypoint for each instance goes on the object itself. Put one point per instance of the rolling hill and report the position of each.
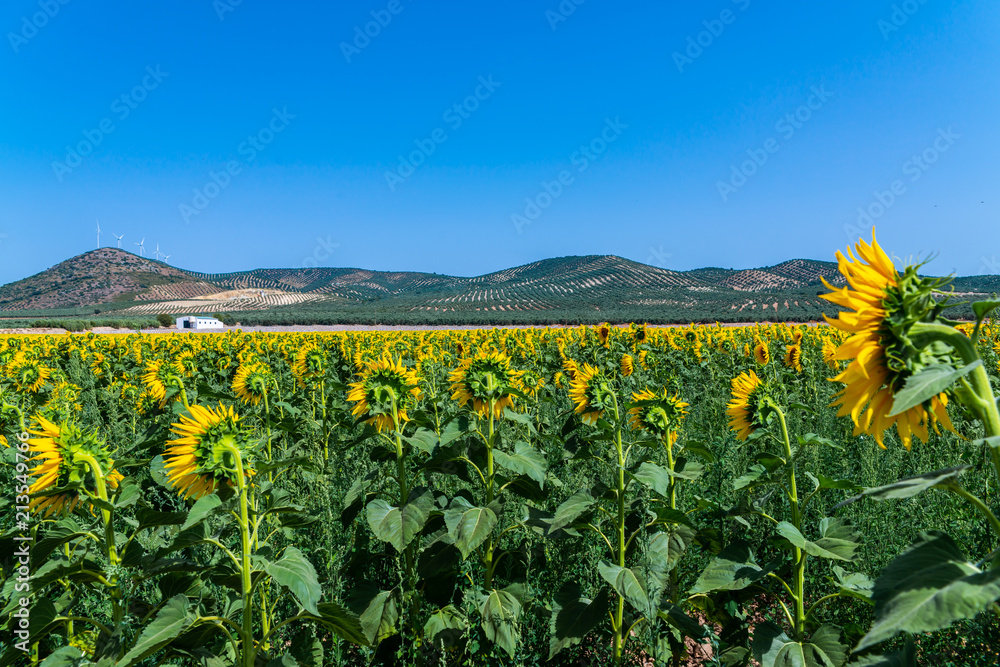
(121, 282)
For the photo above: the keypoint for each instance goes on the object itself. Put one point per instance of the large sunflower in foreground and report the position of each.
(591, 393)
(62, 451)
(202, 457)
(385, 385)
(658, 413)
(881, 306)
(744, 409)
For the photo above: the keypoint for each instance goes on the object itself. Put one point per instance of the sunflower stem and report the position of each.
(489, 487)
(245, 571)
(618, 619)
(800, 556)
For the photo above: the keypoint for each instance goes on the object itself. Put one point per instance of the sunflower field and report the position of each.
(778, 495)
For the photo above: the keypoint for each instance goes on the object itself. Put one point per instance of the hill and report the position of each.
(593, 286)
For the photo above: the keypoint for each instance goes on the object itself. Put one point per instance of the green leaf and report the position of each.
(424, 440)
(733, 569)
(342, 622)
(500, 611)
(380, 617)
(468, 526)
(445, 627)
(928, 587)
(699, 449)
(202, 509)
(299, 575)
(853, 584)
(927, 384)
(67, 656)
(838, 541)
(908, 487)
(675, 616)
(773, 648)
(831, 483)
(526, 460)
(574, 616)
(577, 505)
(984, 308)
(905, 657)
(398, 526)
(655, 477)
(629, 584)
(992, 441)
(171, 621)
(666, 547)
(128, 494)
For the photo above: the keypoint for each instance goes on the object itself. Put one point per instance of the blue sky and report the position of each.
(464, 138)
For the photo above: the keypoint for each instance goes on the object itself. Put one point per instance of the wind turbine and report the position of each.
(166, 257)
(98, 233)
(119, 239)
(141, 247)
(157, 253)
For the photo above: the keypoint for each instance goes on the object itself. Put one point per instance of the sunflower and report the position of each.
(882, 306)
(793, 357)
(531, 383)
(744, 410)
(557, 379)
(657, 413)
(3, 441)
(29, 376)
(385, 385)
(160, 374)
(64, 452)
(310, 365)
(604, 334)
(251, 380)
(830, 354)
(484, 380)
(202, 457)
(761, 353)
(627, 365)
(590, 393)
(642, 358)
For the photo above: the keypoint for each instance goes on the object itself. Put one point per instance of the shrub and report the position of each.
(164, 320)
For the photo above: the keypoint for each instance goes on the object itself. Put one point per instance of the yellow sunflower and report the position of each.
(657, 413)
(385, 385)
(484, 380)
(251, 380)
(762, 353)
(590, 393)
(627, 365)
(793, 357)
(63, 452)
(881, 304)
(310, 365)
(830, 354)
(160, 374)
(202, 457)
(744, 409)
(29, 376)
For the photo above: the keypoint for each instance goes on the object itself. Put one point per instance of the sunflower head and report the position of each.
(627, 365)
(386, 388)
(30, 375)
(881, 306)
(604, 334)
(310, 365)
(251, 381)
(591, 393)
(749, 407)
(485, 380)
(793, 357)
(657, 413)
(531, 383)
(761, 353)
(203, 457)
(66, 454)
(160, 374)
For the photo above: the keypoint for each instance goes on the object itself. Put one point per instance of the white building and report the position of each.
(195, 322)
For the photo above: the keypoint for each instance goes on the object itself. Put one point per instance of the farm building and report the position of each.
(195, 322)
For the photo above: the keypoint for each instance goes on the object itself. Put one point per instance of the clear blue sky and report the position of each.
(658, 187)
